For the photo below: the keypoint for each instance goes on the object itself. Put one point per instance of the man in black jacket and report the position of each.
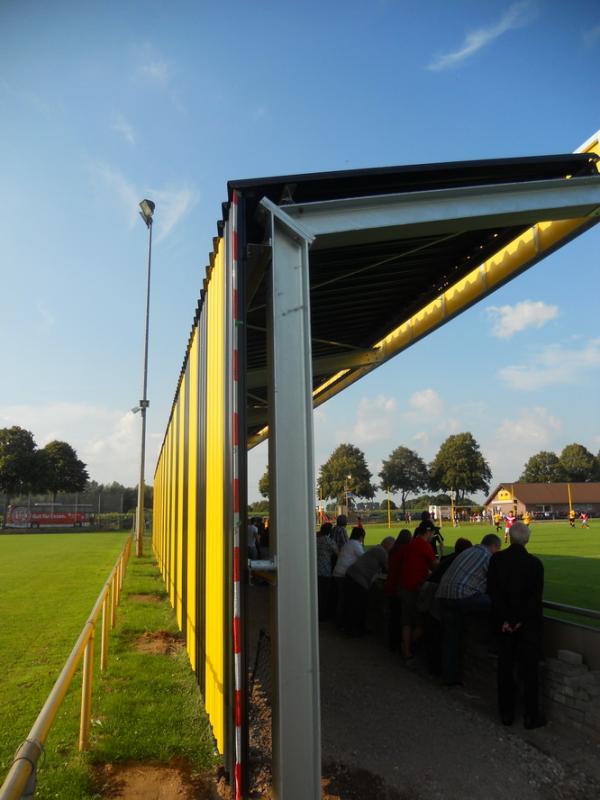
(516, 585)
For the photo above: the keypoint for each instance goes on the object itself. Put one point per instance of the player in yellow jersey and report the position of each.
(527, 518)
(572, 518)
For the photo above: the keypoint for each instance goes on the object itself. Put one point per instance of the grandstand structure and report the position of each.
(391, 254)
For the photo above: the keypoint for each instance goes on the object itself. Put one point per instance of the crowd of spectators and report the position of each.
(431, 597)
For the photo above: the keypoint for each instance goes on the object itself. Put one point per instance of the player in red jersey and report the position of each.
(510, 520)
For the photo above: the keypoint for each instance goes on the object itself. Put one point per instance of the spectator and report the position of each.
(432, 617)
(338, 534)
(260, 528)
(347, 556)
(516, 585)
(446, 561)
(357, 583)
(417, 561)
(392, 588)
(462, 589)
(326, 553)
(437, 537)
(252, 540)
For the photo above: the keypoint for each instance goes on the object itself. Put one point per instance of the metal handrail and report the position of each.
(26, 758)
(580, 612)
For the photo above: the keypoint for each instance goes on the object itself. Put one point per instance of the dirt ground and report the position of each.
(160, 643)
(135, 781)
(145, 598)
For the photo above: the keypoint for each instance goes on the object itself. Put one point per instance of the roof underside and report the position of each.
(361, 292)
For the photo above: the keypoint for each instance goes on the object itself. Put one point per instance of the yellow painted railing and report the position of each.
(23, 767)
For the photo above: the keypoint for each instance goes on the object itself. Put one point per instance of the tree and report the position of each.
(384, 505)
(460, 467)
(62, 470)
(17, 463)
(578, 463)
(346, 471)
(405, 472)
(543, 467)
(263, 484)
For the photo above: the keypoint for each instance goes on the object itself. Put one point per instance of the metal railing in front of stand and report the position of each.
(21, 777)
(578, 612)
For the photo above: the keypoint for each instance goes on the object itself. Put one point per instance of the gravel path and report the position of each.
(425, 741)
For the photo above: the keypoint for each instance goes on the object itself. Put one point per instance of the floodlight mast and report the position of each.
(146, 213)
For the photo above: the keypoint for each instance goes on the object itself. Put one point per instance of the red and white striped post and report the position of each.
(237, 641)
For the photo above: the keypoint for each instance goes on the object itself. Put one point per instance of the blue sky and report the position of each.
(105, 103)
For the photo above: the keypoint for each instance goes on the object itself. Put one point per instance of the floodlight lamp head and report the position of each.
(147, 211)
(135, 410)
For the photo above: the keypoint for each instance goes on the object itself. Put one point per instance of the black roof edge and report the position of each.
(579, 159)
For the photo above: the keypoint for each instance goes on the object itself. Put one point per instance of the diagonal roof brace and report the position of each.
(257, 378)
(397, 216)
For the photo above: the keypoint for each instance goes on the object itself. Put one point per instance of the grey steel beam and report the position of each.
(322, 366)
(296, 702)
(440, 211)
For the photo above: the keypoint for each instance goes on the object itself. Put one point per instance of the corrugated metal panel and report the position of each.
(215, 431)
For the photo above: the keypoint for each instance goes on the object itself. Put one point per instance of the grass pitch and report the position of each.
(145, 707)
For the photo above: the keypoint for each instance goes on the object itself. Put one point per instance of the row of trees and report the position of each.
(25, 468)
(459, 467)
(575, 463)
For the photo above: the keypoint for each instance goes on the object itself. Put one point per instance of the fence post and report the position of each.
(105, 630)
(86, 692)
(113, 603)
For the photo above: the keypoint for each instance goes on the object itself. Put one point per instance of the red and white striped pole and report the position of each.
(237, 642)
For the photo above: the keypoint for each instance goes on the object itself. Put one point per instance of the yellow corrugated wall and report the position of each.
(181, 411)
(207, 618)
(192, 477)
(215, 432)
(172, 506)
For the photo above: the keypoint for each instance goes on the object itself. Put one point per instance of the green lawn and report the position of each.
(144, 707)
(571, 556)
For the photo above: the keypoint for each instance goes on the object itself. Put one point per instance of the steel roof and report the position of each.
(361, 292)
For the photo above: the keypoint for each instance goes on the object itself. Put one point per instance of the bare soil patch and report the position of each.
(160, 643)
(145, 598)
(138, 781)
(346, 783)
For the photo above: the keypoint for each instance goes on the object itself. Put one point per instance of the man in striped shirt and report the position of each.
(463, 588)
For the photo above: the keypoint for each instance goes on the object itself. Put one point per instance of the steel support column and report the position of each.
(296, 705)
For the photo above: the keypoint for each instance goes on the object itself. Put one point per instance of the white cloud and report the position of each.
(554, 365)
(426, 402)
(158, 72)
(125, 192)
(106, 439)
(592, 36)
(124, 128)
(518, 15)
(509, 320)
(374, 420)
(515, 440)
(172, 205)
(171, 208)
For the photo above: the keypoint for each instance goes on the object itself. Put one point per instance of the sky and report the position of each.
(103, 104)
